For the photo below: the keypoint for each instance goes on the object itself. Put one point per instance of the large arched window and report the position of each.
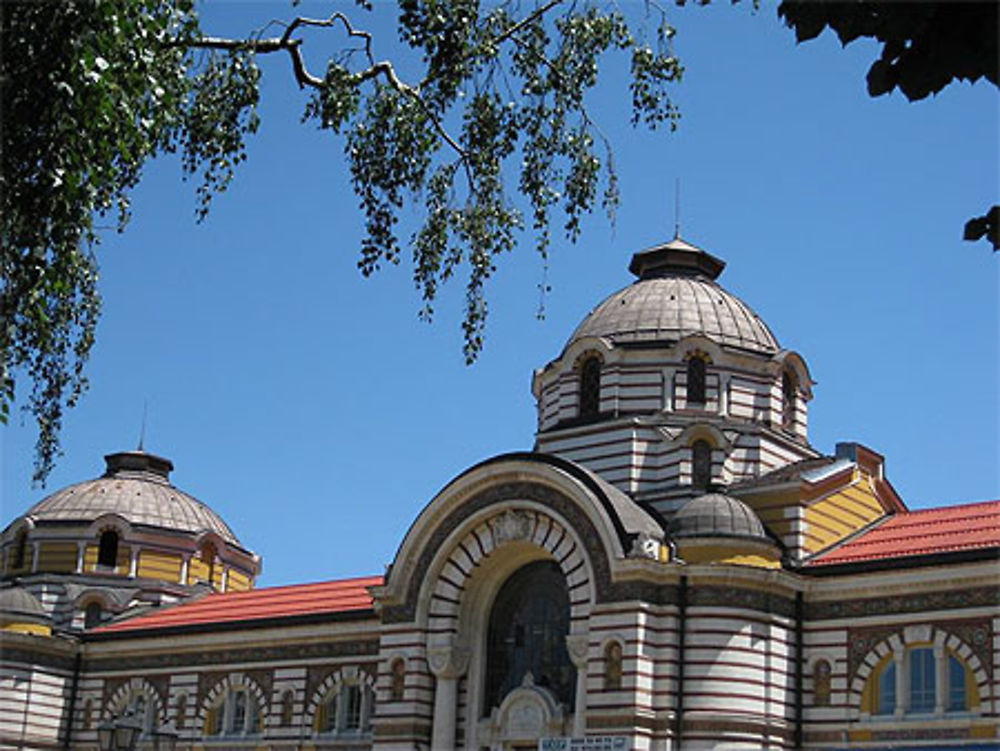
(590, 387)
(107, 549)
(701, 464)
(696, 381)
(527, 632)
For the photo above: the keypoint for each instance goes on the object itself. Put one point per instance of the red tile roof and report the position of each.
(939, 530)
(321, 598)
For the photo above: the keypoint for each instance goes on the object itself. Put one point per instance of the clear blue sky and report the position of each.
(314, 411)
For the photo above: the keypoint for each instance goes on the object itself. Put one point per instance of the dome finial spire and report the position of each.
(142, 428)
(677, 208)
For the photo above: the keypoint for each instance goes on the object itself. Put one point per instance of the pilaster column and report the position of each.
(668, 390)
(941, 682)
(448, 663)
(724, 385)
(81, 549)
(902, 681)
(35, 549)
(133, 564)
(578, 646)
(185, 562)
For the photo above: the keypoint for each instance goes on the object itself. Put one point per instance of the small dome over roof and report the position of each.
(716, 515)
(136, 486)
(17, 602)
(676, 295)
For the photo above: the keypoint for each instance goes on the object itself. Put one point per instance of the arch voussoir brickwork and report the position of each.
(508, 525)
(898, 642)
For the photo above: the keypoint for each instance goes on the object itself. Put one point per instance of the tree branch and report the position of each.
(538, 13)
(383, 69)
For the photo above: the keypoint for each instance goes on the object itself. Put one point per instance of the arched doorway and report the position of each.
(526, 637)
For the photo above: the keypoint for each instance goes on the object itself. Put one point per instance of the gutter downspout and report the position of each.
(799, 660)
(681, 629)
(77, 663)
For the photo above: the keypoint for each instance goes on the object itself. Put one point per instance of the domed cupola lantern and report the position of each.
(674, 383)
(94, 549)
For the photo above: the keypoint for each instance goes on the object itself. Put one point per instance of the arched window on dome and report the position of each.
(20, 550)
(789, 388)
(696, 381)
(701, 464)
(107, 549)
(527, 632)
(590, 387)
(206, 571)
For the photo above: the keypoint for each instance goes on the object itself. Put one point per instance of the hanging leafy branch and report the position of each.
(93, 89)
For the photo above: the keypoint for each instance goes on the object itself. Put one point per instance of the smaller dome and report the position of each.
(716, 515)
(17, 603)
(137, 487)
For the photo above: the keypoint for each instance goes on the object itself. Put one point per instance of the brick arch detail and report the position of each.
(347, 675)
(525, 525)
(937, 636)
(222, 686)
(124, 693)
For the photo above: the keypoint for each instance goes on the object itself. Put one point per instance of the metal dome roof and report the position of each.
(716, 515)
(17, 601)
(136, 486)
(675, 296)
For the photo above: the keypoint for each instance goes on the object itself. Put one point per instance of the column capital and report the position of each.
(578, 645)
(448, 660)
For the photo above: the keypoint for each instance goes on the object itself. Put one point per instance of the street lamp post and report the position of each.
(122, 734)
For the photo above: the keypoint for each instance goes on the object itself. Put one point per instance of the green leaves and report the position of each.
(92, 89)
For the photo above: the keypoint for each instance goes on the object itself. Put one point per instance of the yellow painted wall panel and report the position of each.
(57, 557)
(124, 560)
(197, 571)
(732, 554)
(90, 558)
(35, 629)
(160, 566)
(238, 581)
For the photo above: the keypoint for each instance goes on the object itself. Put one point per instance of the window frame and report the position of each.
(589, 398)
(223, 726)
(334, 709)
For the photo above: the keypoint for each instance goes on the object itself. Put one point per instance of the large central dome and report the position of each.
(675, 296)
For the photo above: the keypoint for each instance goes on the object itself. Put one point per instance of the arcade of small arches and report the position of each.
(693, 387)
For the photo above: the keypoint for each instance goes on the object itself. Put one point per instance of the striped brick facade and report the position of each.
(785, 600)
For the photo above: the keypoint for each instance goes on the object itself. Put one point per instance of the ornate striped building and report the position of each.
(674, 564)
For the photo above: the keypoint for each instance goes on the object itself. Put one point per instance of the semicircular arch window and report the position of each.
(527, 633)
